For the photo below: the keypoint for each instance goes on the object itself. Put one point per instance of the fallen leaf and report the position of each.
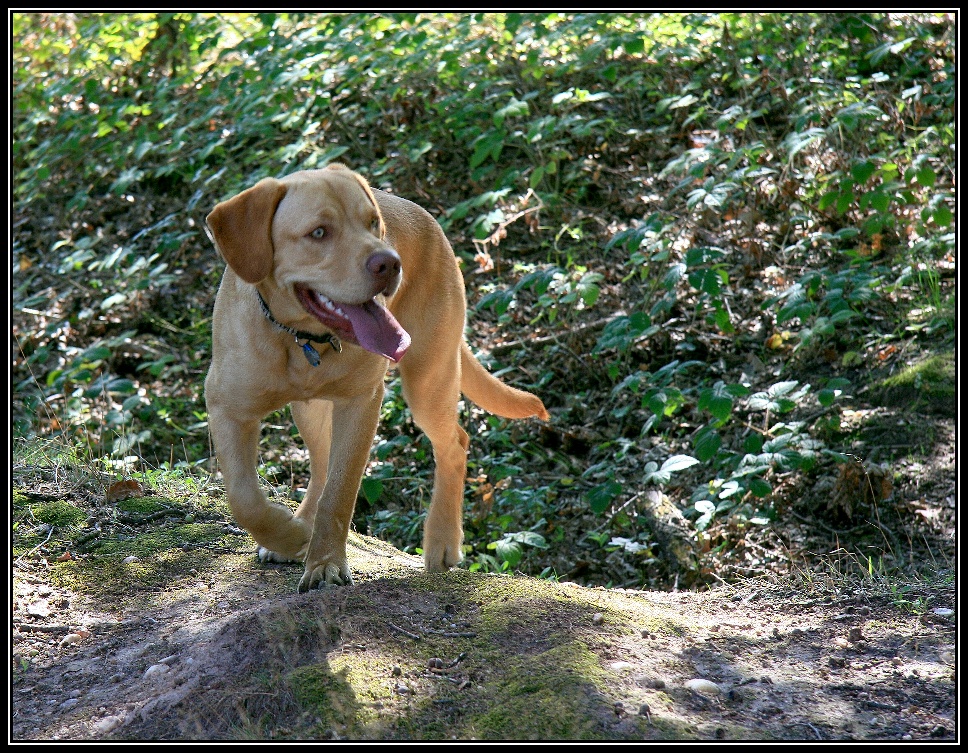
(774, 341)
(124, 490)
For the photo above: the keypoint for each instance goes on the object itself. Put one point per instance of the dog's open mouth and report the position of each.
(369, 325)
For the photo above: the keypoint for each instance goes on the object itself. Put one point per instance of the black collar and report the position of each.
(312, 355)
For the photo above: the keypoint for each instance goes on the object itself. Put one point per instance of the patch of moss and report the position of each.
(58, 513)
(156, 540)
(143, 505)
(551, 696)
(164, 555)
(329, 694)
(930, 383)
(111, 577)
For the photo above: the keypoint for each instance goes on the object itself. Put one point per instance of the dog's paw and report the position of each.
(268, 556)
(442, 541)
(439, 558)
(329, 574)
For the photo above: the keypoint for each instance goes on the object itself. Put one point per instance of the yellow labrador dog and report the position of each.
(327, 282)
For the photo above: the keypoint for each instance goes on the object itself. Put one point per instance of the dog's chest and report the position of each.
(338, 376)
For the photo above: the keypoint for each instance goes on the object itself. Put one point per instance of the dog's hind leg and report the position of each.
(432, 394)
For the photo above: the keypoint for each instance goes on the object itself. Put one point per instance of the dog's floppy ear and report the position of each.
(241, 228)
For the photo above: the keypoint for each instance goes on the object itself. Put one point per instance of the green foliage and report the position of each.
(711, 220)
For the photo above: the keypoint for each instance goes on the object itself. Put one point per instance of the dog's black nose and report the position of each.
(385, 267)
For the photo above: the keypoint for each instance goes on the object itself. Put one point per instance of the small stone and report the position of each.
(704, 687)
(129, 560)
(855, 634)
(435, 663)
(396, 671)
(39, 608)
(69, 704)
(71, 638)
(620, 665)
(107, 724)
(155, 670)
(644, 710)
(598, 618)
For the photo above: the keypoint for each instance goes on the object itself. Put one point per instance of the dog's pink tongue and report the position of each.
(377, 330)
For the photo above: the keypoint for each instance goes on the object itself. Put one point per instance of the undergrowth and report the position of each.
(698, 237)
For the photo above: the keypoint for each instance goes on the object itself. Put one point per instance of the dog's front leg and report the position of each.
(272, 526)
(354, 426)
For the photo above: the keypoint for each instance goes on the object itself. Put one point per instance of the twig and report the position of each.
(50, 533)
(569, 334)
(448, 634)
(27, 627)
(404, 632)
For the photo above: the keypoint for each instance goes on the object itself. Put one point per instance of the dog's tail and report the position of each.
(493, 395)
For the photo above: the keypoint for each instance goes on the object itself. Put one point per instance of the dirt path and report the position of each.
(226, 649)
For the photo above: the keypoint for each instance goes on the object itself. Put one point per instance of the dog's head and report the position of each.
(318, 236)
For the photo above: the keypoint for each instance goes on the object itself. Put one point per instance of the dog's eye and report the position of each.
(375, 227)
(318, 233)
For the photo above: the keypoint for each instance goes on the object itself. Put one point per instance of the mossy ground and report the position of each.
(405, 655)
(929, 383)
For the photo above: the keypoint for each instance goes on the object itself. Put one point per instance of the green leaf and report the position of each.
(942, 216)
(600, 497)
(372, 488)
(707, 444)
(925, 176)
(717, 401)
(760, 488)
(514, 108)
(536, 176)
(634, 46)
(862, 171)
(844, 201)
(796, 142)
(708, 510)
(508, 550)
(678, 463)
(685, 101)
(827, 199)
